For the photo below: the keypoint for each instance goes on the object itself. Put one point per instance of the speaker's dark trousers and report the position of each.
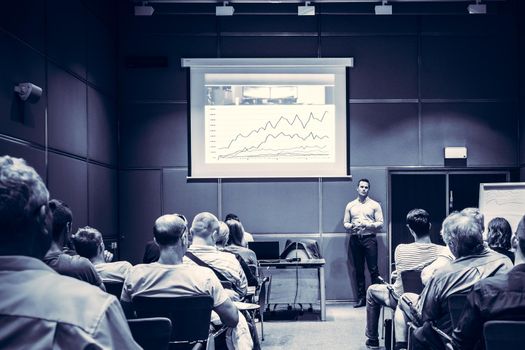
(364, 247)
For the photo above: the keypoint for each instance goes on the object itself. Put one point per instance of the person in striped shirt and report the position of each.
(412, 256)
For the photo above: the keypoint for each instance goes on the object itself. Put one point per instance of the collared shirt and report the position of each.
(172, 280)
(73, 266)
(500, 297)
(458, 277)
(40, 309)
(114, 271)
(223, 262)
(369, 212)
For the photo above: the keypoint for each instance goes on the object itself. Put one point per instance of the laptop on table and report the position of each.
(266, 251)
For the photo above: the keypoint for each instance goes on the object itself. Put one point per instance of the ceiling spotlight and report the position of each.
(224, 10)
(143, 10)
(306, 10)
(477, 8)
(383, 9)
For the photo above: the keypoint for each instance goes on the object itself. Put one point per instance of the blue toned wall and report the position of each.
(420, 83)
(70, 135)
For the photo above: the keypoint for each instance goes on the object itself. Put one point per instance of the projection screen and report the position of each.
(268, 117)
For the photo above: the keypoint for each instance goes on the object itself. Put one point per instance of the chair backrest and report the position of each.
(264, 293)
(411, 280)
(456, 303)
(114, 288)
(151, 333)
(504, 335)
(190, 315)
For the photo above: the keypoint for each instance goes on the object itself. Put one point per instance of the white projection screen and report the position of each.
(268, 117)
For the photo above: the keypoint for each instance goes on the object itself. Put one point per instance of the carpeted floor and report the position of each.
(344, 328)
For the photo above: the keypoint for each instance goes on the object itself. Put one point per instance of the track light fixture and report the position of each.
(383, 9)
(306, 10)
(477, 8)
(224, 10)
(144, 9)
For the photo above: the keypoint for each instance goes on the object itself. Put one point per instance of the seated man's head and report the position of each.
(476, 214)
(418, 222)
(88, 243)
(62, 219)
(205, 226)
(171, 230)
(223, 235)
(24, 214)
(463, 234)
(499, 234)
(518, 241)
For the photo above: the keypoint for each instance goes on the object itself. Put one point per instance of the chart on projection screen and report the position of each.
(269, 123)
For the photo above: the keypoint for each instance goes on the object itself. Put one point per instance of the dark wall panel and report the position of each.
(67, 34)
(356, 24)
(383, 129)
(468, 67)
(68, 182)
(33, 157)
(268, 24)
(268, 46)
(274, 206)
(173, 24)
(136, 221)
(67, 119)
(20, 64)
(337, 193)
(23, 18)
(103, 200)
(154, 135)
(188, 198)
(101, 56)
(375, 59)
(488, 130)
(163, 82)
(102, 128)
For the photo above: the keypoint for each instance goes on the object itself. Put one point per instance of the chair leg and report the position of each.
(262, 324)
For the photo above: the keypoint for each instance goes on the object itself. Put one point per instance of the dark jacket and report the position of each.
(458, 277)
(500, 297)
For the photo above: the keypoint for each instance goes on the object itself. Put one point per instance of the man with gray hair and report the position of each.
(39, 308)
(463, 234)
(205, 229)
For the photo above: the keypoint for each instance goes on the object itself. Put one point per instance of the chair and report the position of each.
(504, 335)
(114, 288)
(262, 299)
(456, 303)
(411, 280)
(151, 333)
(190, 316)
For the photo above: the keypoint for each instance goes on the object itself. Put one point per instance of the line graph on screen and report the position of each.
(269, 133)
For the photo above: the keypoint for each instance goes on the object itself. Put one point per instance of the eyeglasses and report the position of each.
(182, 217)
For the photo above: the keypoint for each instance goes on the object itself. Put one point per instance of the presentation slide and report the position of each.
(268, 122)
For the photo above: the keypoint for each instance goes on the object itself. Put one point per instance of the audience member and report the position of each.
(463, 234)
(221, 239)
(40, 309)
(235, 242)
(499, 237)
(501, 297)
(248, 237)
(65, 264)
(413, 256)
(203, 251)
(90, 245)
(169, 276)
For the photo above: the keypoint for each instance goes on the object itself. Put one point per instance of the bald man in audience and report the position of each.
(205, 229)
(90, 245)
(40, 309)
(170, 277)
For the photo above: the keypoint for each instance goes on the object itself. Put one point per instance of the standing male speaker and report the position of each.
(363, 219)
